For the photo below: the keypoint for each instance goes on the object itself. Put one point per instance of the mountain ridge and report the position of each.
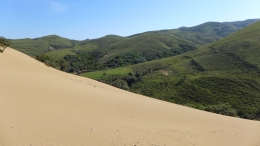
(199, 35)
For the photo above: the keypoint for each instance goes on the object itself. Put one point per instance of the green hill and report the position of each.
(42, 45)
(153, 42)
(223, 77)
(208, 32)
(142, 45)
(113, 51)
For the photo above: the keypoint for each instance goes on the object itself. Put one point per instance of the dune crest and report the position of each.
(43, 106)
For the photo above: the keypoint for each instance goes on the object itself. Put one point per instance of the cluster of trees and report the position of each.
(60, 64)
(124, 82)
(4, 43)
(119, 81)
(123, 60)
(90, 60)
(84, 61)
(171, 52)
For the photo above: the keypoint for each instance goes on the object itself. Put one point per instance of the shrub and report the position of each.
(120, 84)
(130, 80)
(4, 43)
(224, 109)
(63, 64)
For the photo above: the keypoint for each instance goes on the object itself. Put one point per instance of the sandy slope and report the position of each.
(42, 106)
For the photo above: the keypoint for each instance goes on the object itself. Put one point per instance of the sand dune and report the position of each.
(41, 106)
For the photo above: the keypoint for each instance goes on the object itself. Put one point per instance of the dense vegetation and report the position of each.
(84, 61)
(90, 60)
(223, 77)
(60, 64)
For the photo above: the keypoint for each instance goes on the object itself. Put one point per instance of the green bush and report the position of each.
(120, 84)
(4, 43)
(130, 80)
(224, 109)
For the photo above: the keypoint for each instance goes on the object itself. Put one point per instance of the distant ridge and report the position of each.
(152, 41)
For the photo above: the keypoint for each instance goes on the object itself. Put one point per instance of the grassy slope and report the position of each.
(144, 44)
(116, 45)
(208, 32)
(86, 45)
(225, 72)
(41, 45)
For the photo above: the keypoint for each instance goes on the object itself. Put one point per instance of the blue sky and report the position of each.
(82, 19)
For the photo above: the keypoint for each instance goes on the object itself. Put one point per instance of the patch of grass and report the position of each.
(60, 53)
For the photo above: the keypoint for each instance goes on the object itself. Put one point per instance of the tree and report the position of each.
(120, 84)
(63, 64)
(4, 43)
(130, 80)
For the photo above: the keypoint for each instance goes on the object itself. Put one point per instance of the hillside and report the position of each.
(210, 32)
(150, 47)
(43, 106)
(222, 77)
(153, 42)
(42, 45)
